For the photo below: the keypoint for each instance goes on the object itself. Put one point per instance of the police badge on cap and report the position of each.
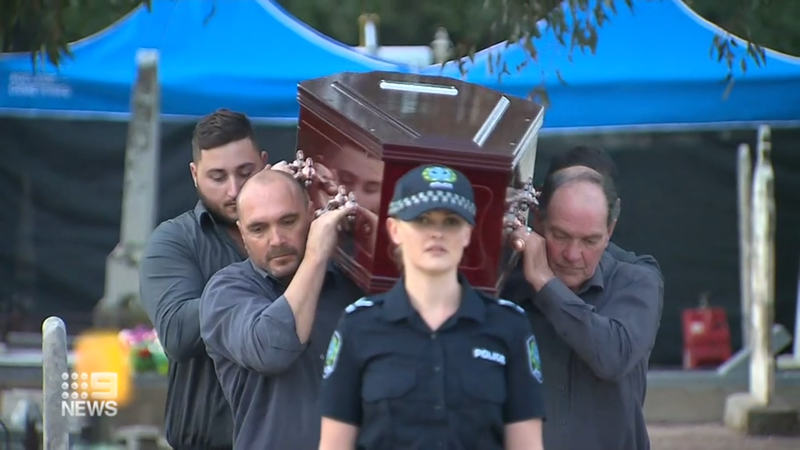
(433, 187)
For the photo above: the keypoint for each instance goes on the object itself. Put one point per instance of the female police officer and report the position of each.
(432, 363)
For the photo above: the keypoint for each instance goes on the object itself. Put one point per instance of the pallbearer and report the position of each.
(596, 317)
(266, 321)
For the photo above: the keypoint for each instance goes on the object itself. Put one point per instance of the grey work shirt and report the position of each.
(270, 379)
(180, 257)
(594, 348)
(632, 258)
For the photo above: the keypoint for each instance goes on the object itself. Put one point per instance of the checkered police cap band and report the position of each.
(433, 198)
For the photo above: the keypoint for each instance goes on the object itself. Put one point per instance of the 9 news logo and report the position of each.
(89, 394)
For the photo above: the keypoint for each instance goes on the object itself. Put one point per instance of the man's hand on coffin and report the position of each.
(366, 221)
(534, 256)
(282, 166)
(363, 228)
(323, 232)
(324, 185)
(522, 200)
(511, 195)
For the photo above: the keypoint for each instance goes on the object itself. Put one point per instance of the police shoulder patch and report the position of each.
(332, 355)
(510, 304)
(534, 361)
(360, 303)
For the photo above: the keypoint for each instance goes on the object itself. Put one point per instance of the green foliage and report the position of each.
(46, 27)
(774, 24)
(477, 24)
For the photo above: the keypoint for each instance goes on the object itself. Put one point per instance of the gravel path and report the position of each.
(713, 437)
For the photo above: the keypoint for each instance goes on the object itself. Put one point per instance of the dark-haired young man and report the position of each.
(180, 257)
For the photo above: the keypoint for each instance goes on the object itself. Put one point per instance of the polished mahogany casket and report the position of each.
(365, 130)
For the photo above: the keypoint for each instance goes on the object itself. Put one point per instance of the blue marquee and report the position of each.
(246, 55)
(651, 69)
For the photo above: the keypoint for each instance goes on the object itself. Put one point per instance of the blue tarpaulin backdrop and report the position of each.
(651, 67)
(247, 55)
(61, 177)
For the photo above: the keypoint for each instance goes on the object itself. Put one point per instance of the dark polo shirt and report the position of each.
(595, 345)
(270, 379)
(180, 257)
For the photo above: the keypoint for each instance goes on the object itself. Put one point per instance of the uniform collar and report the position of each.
(397, 305)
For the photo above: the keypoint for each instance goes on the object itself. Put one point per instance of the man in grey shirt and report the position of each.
(595, 317)
(180, 257)
(599, 161)
(267, 321)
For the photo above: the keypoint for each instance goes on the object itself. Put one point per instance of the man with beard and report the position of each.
(267, 321)
(180, 257)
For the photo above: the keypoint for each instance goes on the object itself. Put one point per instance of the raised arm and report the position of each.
(613, 341)
(239, 322)
(170, 284)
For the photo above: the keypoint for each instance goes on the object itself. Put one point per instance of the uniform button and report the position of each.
(563, 422)
(438, 407)
(437, 369)
(561, 388)
(433, 335)
(322, 357)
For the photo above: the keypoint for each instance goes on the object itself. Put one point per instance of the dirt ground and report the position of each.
(713, 437)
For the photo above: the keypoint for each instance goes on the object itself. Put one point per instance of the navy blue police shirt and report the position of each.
(406, 386)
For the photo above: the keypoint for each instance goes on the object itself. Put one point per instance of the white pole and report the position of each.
(762, 364)
(441, 46)
(370, 36)
(54, 368)
(745, 185)
(796, 346)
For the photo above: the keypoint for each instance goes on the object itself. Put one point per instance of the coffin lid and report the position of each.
(399, 112)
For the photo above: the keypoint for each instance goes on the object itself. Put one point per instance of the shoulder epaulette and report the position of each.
(363, 302)
(510, 304)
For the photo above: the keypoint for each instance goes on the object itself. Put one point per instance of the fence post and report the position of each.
(762, 363)
(54, 370)
(796, 346)
(745, 172)
(759, 411)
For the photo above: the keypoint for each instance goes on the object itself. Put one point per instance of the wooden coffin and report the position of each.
(367, 129)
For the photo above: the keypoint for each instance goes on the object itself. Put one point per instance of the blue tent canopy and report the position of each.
(651, 68)
(246, 55)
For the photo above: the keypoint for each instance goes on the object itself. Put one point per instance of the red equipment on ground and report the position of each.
(706, 336)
